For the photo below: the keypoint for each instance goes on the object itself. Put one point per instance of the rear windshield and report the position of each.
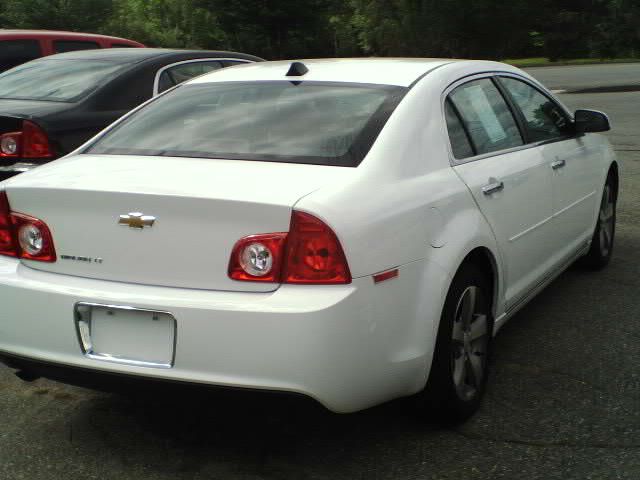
(56, 80)
(298, 122)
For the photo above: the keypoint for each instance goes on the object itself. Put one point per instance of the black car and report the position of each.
(50, 106)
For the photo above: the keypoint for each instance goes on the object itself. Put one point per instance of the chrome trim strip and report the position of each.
(531, 229)
(87, 348)
(156, 80)
(568, 207)
(555, 215)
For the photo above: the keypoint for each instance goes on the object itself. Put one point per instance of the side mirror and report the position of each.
(591, 121)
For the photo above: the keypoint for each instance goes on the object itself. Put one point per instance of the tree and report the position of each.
(75, 15)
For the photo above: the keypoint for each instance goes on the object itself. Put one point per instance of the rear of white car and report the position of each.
(294, 227)
(150, 266)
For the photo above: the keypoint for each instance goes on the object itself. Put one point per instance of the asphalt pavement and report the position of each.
(588, 77)
(563, 401)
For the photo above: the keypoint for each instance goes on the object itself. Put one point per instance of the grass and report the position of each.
(545, 62)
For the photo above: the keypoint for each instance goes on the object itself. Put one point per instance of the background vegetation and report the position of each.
(498, 29)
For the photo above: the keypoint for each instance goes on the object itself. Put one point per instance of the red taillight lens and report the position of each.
(8, 244)
(309, 254)
(31, 142)
(35, 143)
(258, 258)
(314, 254)
(24, 236)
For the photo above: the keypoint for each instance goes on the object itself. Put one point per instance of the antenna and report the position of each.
(297, 69)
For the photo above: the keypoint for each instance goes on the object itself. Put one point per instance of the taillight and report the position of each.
(314, 254)
(35, 143)
(24, 236)
(8, 244)
(309, 254)
(258, 258)
(34, 238)
(10, 144)
(31, 142)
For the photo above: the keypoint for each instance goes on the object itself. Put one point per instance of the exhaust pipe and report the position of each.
(26, 375)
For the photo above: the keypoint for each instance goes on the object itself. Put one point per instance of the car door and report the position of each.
(573, 164)
(510, 183)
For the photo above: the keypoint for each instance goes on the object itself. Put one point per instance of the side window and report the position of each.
(61, 46)
(544, 118)
(165, 82)
(486, 116)
(459, 141)
(122, 45)
(231, 63)
(16, 52)
(185, 71)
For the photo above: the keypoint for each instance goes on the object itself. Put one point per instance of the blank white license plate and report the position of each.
(126, 335)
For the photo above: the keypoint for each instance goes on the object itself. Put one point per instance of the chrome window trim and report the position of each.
(87, 349)
(156, 80)
(453, 161)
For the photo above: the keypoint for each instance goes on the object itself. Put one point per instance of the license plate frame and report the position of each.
(131, 321)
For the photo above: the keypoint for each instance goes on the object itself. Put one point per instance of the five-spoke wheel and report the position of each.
(470, 340)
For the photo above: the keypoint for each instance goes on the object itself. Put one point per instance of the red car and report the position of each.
(20, 46)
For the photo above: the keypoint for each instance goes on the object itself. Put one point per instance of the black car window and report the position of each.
(165, 82)
(185, 71)
(61, 46)
(122, 45)
(15, 52)
(231, 63)
(486, 116)
(544, 118)
(320, 123)
(67, 80)
(460, 144)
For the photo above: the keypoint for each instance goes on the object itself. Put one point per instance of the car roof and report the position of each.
(19, 33)
(133, 55)
(384, 71)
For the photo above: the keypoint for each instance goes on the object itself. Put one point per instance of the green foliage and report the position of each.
(75, 15)
(557, 29)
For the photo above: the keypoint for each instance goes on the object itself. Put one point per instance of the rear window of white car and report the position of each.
(296, 122)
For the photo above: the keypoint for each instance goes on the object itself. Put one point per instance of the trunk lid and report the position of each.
(201, 208)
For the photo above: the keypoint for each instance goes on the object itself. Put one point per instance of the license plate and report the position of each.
(126, 335)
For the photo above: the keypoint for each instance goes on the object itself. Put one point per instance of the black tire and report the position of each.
(447, 399)
(601, 250)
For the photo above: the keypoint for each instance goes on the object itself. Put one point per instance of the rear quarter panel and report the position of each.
(407, 209)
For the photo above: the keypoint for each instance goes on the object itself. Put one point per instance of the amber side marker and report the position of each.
(388, 275)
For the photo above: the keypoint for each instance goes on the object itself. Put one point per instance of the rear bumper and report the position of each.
(338, 344)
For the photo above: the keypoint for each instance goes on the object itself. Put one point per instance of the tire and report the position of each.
(599, 254)
(459, 369)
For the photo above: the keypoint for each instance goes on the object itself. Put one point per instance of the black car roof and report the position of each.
(134, 55)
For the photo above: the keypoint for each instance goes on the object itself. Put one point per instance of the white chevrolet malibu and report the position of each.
(353, 230)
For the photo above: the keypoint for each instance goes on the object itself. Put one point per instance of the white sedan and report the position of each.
(353, 230)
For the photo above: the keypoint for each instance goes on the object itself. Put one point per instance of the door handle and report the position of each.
(558, 164)
(493, 188)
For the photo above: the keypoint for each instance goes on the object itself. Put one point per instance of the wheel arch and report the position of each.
(483, 258)
(614, 169)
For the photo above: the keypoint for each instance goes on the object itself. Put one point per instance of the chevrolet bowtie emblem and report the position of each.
(136, 220)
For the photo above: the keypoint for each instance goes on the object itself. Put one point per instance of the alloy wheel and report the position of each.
(470, 337)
